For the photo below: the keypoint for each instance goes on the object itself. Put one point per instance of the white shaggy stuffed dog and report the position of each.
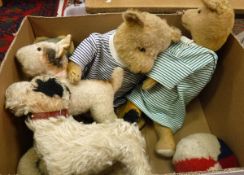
(70, 147)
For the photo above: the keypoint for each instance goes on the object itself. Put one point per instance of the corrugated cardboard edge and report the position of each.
(154, 6)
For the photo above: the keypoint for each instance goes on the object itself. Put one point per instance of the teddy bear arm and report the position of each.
(148, 83)
(131, 113)
(74, 72)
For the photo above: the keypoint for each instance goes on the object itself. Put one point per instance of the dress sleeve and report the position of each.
(170, 70)
(86, 50)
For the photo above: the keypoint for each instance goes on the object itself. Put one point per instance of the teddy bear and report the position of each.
(134, 46)
(180, 73)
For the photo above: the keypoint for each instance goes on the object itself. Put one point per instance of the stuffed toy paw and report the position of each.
(74, 73)
(203, 152)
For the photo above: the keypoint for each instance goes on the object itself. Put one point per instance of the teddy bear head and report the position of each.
(211, 24)
(141, 37)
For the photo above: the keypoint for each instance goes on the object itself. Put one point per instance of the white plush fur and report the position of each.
(95, 96)
(44, 57)
(197, 145)
(88, 95)
(70, 147)
(31, 164)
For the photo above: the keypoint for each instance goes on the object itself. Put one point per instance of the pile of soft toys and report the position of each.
(144, 67)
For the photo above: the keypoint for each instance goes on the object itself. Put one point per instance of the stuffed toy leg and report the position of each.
(165, 145)
(31, 164)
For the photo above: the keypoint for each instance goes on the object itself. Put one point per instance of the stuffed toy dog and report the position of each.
(134, 46)
(46, 56)
(67, 146)
(181, 72)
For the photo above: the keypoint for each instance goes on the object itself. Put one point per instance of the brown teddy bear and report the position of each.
(134, 46)
(181, 72)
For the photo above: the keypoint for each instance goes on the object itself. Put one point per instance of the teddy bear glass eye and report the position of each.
(142, 49)
(39, 49)
(199, 11)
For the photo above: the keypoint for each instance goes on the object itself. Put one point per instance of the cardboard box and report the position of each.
(154, 6)
(219, 109)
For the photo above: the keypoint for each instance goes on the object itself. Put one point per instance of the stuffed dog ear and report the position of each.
(63, 44)
(175, 34)
(220, 6)
(133, 18)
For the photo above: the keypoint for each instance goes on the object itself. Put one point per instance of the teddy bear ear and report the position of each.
(133, 17)
(219, 6)
(175, 34)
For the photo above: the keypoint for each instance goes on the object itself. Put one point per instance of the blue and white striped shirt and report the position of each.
(97, 55)
(181, 71)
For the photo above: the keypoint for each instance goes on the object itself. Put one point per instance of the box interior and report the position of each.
(218, 109)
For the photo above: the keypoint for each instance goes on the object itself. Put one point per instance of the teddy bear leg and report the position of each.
(131, 113)
(165, 145)
(74, 72)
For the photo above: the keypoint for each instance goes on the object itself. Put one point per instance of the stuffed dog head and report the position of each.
(141, 37)
(211, 24)
(41, 94)
(44, 57)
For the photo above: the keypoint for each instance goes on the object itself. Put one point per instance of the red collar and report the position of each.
(46, 115)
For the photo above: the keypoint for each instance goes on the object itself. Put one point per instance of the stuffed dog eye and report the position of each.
(199, 11)
(141, 49)
(39, 49)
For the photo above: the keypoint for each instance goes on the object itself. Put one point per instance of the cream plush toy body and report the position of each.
(134, 46)
(181, 72)
(67, 146)
(48, 57)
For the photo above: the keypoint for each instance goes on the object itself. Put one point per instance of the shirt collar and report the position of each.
(113, 51)
(187, 40)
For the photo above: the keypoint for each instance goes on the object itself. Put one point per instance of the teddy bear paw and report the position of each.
(74, 76)
(165, 152)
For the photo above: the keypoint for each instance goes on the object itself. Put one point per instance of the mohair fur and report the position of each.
(137, 41)
(143, 30)
(70, 147)
(211, 24)
(96, 96)
(45, 56)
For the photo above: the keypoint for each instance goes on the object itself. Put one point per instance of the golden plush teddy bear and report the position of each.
(134, 46)
(181, 72)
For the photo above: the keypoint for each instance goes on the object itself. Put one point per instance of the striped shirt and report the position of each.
(97, 56)
(181, 71)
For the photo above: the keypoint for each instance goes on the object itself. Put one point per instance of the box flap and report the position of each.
(155, 6)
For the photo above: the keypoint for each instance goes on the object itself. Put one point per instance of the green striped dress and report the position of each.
(181, 71)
